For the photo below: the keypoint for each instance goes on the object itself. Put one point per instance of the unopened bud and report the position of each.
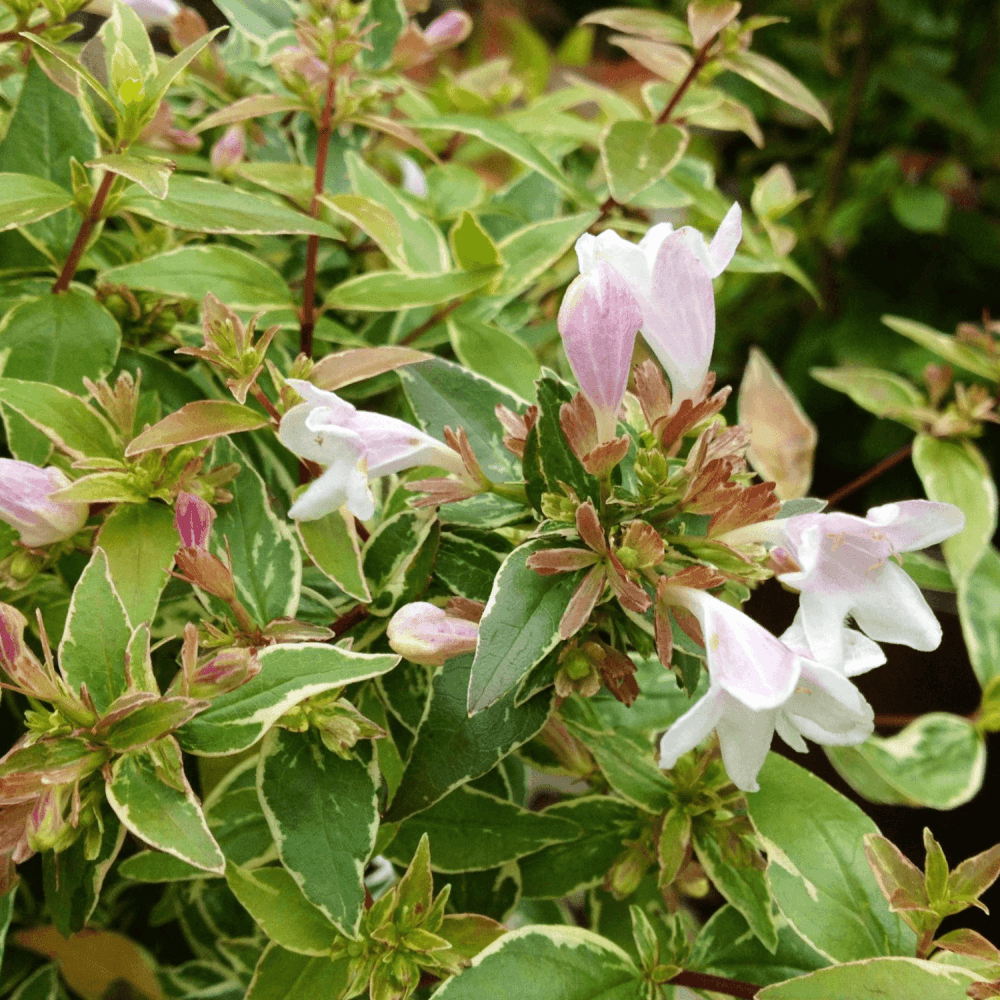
(204, 570)
(627, 873)
(230, 150)
(448, 30)
(424, 633)
(25, 505)
(230, 669)
(193, 519)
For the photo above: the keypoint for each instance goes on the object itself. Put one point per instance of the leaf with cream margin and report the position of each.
(359, 363)
(978, 600)
(323, 813)
(938, 761)
(333, 545)
(953, 350)
(255, 106)
(199, 421)
(879, 392)
(876, 979)
(290, 673)
(649, 24)
(776, 80)
(782, 438)
(25, 199)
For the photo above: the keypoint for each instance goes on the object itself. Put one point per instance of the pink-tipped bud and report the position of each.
(229, 670)
(193, 519)
(448, 30)
(299, 67)
(25, 505)
(230, 150)
(427, 634)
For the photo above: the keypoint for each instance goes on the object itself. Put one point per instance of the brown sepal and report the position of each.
(618, 673)
(589, 527)
(517, 426)
(439, 490)
(466, 609)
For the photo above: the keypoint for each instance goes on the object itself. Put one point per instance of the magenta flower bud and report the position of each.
(448, 30)
(598, 320)
(193, 519)
(227, 671)
(25, 503)
(424, 633)
(230, 150)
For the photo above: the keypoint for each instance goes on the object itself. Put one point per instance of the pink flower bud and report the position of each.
(25, 503)
(193, 519)
(427, 634)
(151, 12)
(448, 30)
(230, 149)
(229, 670)
(296, 63)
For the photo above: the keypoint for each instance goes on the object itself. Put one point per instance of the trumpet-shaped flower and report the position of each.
(761, 685)
(670, 272)
(355, 446)
(598, 320)
(843, 566)
(425, 633)
(25, 505)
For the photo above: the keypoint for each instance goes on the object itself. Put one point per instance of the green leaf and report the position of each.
(272, 897)
(547, 963)
(236, 818)
(150, 172)
(46, 131)
(332, 544)
(465, 567)
(73, 883)
(817, 868)
(471, 831)
(625, 760)
(745, 888)
(155, 866)
(493, 352)
(258, 19)
(451, 748)
(164, 817)
(927, 573)
(978, 600)
(373, 218)
(6, 912)
(945, 346)
(424, 247)
(42, 984)
(651, 24)
(776, 80)
(25, 199)
(198, 421)
(956, 472)
(377, 290)
(533, 250)
(879, 392)
(493, 893)
(267, 563)
(938, 761)
(443, 394)
(323, 814)
(637, 153)
(520, 625)
(282, 974)
(558, 462)
(471, 247)
(97, 634)
(206, 206)
(727, 947)
(237, 278)
(875, 979)
(64, 418)
(504, 138)
(149, 722)
(254, 106)
(922, 209)
(139, 541)
(389, 18)
(290, 673)
(556, 871)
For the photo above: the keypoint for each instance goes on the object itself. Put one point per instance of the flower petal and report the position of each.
(892, 609)
(745, 739)
(726, 239)
(827, 708)
(916, 524)
(691, 728)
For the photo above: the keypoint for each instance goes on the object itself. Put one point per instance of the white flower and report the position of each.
(671, 274)
(355, 446)
(25, 505)
(846, 568)
(761, 685)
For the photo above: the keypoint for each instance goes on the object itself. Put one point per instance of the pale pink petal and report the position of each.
(393, 445)
(598, 320)
(726, 240)
(827, 708)
(691, 728)
(448, 30)
(25, 503)
(425, 633)
(916, 524)
(745, 739)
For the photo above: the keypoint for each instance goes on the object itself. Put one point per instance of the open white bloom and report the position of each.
(846, 568)
(761, 685)
(670, 272)
(151, 12)
(355, 446)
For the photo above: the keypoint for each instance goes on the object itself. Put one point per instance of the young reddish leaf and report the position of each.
(199, 421)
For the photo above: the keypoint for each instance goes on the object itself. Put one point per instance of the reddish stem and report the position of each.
(873, 473)
(312, 250)
(347, 621)
(258, 393)
(416, 333)
(15, 33)
(716, 984)
(92, 218)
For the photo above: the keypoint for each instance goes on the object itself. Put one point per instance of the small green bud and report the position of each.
(577, 665)
(556, 507)
(23, 565)
(628, 557)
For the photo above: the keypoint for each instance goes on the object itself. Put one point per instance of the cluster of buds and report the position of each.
(230, 347)
(339, 724)
(962, 416)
